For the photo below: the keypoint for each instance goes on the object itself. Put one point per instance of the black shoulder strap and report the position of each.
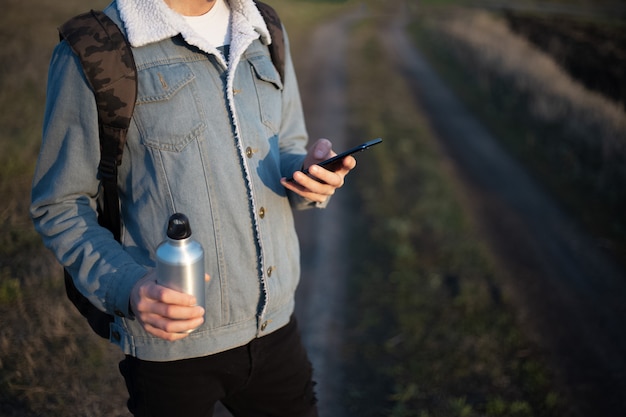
(275, 27)
(109, 67)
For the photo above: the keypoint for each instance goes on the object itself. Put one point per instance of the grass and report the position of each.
(432, 333)
(572, 140)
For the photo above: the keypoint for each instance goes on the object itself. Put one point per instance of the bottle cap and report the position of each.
(178, 227)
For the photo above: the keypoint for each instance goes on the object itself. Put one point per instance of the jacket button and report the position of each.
(249, 152)
(269, 271)
(115, 335)
(263, 326)
(119, 313)
(262, 212)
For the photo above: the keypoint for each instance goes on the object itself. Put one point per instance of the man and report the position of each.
(214, 134)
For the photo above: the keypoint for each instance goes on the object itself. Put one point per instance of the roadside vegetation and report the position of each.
(554, 98)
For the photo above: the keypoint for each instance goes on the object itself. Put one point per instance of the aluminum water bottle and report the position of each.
(180, 260)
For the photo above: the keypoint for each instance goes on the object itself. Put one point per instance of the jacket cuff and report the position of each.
(118, 294)
(300, 203)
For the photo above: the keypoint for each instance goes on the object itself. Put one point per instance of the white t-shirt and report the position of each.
(214, 26)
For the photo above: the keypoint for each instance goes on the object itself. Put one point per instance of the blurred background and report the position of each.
(472, 266)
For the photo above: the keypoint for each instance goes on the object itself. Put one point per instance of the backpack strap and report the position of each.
(275, 27)
(109, 67)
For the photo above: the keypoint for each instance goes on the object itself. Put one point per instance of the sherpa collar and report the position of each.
(149, 21)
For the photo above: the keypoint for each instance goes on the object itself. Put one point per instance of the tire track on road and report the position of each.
(321, 294)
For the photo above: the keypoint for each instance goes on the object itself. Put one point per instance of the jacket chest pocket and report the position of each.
(168, 112)
(268, 89)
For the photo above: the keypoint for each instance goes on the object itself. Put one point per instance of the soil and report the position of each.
(320, 296)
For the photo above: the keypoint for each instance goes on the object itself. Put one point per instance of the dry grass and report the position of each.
(555, 96)
(572, 139)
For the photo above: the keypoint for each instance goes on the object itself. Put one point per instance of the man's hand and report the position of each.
(321, 183)
(163, 312)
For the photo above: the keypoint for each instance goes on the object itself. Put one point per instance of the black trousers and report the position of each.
(270, 376)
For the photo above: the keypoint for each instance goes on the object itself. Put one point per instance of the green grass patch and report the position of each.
(10, 288)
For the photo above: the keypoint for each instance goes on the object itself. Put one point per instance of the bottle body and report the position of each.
(180, 260)
(180, 266)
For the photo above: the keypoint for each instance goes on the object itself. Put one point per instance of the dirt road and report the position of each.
(320, 297)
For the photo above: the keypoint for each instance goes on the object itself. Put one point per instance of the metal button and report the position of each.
(249, 152)
(264, 326)
(269, 271)
(116, 336)
(262, 212)
(119, 313)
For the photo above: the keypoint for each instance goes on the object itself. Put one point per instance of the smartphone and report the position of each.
(334, 163)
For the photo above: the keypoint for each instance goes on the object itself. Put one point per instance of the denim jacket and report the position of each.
(208, 139)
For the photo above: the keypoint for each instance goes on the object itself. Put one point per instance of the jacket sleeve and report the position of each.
(293, 134)
(65, 188)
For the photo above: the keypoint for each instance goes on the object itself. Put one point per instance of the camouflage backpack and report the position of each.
(107, 62)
